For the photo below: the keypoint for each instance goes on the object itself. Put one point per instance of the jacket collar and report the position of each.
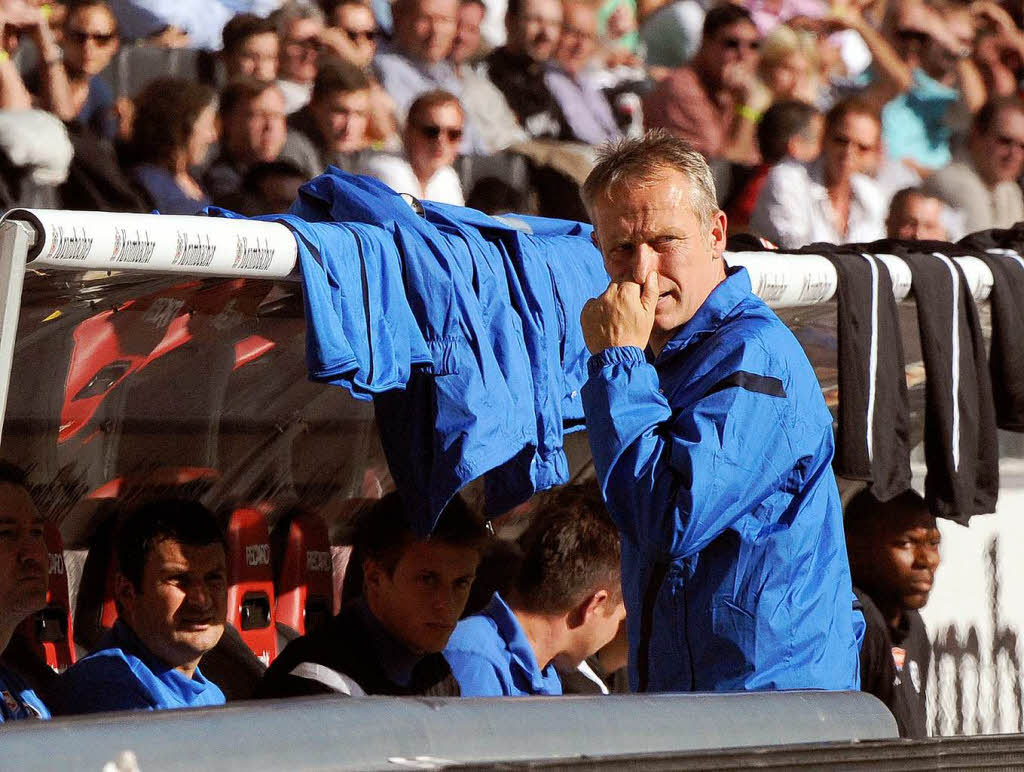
(724, 298)
(518, 644)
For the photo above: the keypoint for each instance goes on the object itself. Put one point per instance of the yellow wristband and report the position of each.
(4, 56)
(752, 115)
(46, 10)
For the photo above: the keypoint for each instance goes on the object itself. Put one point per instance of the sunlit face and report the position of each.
(467, 33)
(999, 153)
(179, 610)
(916, 217)
(427, 31)
(23, 555)
(433, 137)
(256, 57)
(850, 146)
(651, 225)
(357, 22)
(204, 134)
(90, 39)
(535, 31)
(300, 49)
(342, 118)
(420, 602)
(578, 38)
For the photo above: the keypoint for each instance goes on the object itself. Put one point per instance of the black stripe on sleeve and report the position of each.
(759, 384)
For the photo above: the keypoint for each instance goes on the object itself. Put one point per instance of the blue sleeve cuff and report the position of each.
(616, 355)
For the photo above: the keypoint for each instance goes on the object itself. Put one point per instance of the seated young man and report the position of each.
(389, 640)
(565, 603)
(23, 579)
(894, 551)
(171, 593)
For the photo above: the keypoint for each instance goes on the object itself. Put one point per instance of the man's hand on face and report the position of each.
(623, 315)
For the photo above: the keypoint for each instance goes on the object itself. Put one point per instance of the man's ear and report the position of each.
(125, 595)
(586, 608)
(373, 573)
(718, 233)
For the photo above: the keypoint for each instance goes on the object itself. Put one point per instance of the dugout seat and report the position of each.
(49, 632)
(251, 582)
(305, 586)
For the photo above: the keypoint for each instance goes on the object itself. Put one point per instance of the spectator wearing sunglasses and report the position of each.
(432, 136)
(354, 20)
(831, 199)
(715, 102)
(983, 188)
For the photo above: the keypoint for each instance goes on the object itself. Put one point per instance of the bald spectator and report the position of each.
(915, 215)
(585, 107)
(337, 116)
(518, 67)
(714, 103)
(832, 199)
(983, 188)
(251, 48)
(486, 108)
(253, 131)
(416, 60)
(300, 28)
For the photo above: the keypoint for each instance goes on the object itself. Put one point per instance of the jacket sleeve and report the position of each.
(675, 477)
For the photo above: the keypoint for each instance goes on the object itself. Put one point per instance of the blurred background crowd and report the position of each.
(835, 122)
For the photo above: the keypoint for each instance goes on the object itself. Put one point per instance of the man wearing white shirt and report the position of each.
(831, 200)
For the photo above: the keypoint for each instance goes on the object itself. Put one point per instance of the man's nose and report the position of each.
(644, 261)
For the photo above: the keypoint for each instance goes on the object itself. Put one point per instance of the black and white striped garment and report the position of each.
(1001, 250)
(960, 442)
(873, 440)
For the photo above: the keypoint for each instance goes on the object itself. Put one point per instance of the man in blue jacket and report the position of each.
(712, 445)
(171, 593)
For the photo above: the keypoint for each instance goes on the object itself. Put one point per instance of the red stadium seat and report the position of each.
(49, 631)
(305, 586)
(251, 582)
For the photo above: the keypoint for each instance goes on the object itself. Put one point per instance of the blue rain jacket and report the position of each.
(715, 462)
(462, 327)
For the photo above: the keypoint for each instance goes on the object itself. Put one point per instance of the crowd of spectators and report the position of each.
(812, 115)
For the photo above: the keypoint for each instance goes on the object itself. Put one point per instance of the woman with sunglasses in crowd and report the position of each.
(432, 137)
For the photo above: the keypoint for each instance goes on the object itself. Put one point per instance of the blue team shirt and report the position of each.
(490, 656)
(17, 701)
(124, 675)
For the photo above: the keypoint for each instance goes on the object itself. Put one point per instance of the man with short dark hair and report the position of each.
(518, 68)
(714, 103)
(336, 119)
(983, 187)
(171, 594)
(894, 553)
(565, 603)
(253, 131)
(251, 48)
(389, 640)
(23, 582)
(916, 215)
(831, 199)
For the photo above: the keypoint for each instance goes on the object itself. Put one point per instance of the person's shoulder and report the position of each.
(872, 616)
(477, 634)
(104, 680)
